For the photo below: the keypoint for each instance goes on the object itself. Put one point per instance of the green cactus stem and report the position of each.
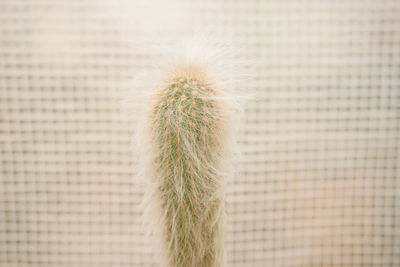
(188, 127)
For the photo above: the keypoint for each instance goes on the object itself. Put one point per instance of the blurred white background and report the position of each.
(319, 172)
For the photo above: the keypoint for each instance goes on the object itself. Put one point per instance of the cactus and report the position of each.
(187, 132)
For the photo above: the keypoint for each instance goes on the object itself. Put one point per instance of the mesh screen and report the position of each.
(319, 173)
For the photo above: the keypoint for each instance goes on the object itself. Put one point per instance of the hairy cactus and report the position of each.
(187, 132)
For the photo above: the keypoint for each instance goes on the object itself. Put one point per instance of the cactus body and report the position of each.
(187, 128)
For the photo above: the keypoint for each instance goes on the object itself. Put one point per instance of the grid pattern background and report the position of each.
(320, 144)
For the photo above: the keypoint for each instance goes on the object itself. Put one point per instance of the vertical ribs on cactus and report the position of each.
(187, 129)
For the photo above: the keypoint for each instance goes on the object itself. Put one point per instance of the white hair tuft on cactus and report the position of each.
(185, 143)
